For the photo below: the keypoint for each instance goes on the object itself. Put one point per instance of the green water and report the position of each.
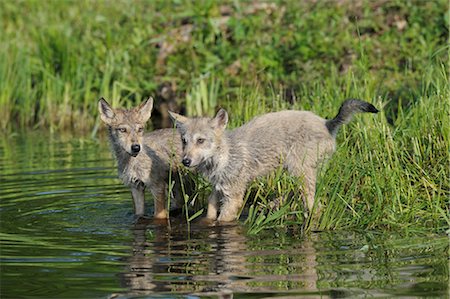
(67, 231)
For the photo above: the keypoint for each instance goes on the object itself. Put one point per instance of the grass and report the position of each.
(390, 171)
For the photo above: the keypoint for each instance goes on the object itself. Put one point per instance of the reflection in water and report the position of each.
(213, 260)
(223, 261)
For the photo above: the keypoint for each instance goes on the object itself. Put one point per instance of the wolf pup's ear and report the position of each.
(178, 120)
(106, 112)
(145, 110)
(220, 121)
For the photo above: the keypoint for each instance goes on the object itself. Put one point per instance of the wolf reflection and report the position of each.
(220, 260)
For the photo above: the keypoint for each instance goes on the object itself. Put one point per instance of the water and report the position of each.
(67, 231)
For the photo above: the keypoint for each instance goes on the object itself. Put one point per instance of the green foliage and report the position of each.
(58, 58)
(201, 101)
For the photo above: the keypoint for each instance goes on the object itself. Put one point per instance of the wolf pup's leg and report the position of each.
(213, 205)
(310, 191)
(307, 174)
(159, 196)
(230, 206)
(137, 192)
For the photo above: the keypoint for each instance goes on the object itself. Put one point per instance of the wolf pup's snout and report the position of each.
(135, 148)
(186, 162)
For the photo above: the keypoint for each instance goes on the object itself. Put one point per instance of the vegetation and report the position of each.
(390, 170)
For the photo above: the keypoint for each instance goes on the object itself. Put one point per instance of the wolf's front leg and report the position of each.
(160, 196)
(212, 205)
(231, 204)
(137, 192)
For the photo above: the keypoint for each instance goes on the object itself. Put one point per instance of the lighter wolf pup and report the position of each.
(144, 160)
(299, 140)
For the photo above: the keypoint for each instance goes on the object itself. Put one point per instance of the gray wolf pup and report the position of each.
(299, 140)
(144, 160)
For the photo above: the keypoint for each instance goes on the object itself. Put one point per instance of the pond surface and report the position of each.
(67, 231)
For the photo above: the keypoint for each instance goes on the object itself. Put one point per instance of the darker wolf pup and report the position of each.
(300, 140)
(144, 160)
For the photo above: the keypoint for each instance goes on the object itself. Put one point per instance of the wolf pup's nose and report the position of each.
(186, 162)
(135, 148)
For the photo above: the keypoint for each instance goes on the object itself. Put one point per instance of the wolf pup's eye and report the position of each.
(140, 130)
(200, 140)
(184, 141)
(122, 130)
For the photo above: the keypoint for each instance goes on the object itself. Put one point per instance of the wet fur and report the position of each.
(298, 140)
(160, 153)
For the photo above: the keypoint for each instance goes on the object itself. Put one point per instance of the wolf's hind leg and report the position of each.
(310, 191)
(308, 175)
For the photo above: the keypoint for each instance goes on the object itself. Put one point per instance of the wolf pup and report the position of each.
(144, 160)
(299, 140)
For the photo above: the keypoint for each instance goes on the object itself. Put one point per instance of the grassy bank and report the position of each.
(390, 170)
(382, 176)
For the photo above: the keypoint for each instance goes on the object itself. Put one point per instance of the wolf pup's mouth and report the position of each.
(202, 162)
(134, 154)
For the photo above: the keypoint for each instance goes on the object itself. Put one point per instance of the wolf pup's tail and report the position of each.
(348, 108)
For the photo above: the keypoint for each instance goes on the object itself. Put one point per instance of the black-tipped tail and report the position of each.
(348, 108)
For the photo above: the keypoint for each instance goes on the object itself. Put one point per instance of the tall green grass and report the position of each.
(58, 57)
